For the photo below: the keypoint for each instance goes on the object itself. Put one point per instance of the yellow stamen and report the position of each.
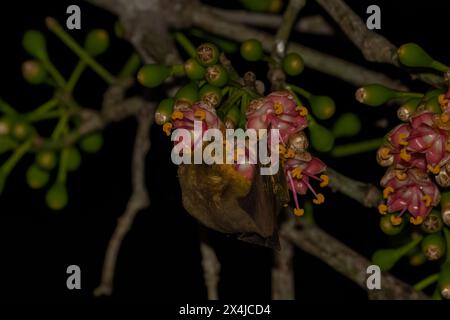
(177, 115)
(395, 220)
(444, 117)
(167, 128)
(404, 155)
(320, 199)
(434, 170)
(443, 101)
(200, 114)
(278, 108)
(382, 208)
(387, 191)
(297, 173)
(325, 180)
(302, 111)
(416, 220)
(282, 149)
(427, 200)
(384, 153)
(401, 139)
(299, 212)
(290, 153)
(400, 175)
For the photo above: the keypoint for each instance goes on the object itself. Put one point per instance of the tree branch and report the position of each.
(344, 260)
(139, 199)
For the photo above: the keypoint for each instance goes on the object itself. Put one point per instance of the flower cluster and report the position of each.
(279, 110)
(414, 151)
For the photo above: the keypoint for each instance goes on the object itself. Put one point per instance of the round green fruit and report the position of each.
(293, 64)
(153, 75)
(34, 72)
(34, 43)
(211, 95)
(208, 54)
(21, 130)
(323, 107)
(37, 177)
(188, 93)
(347, 125)
(46, 159)
(97, 42)
(73, 159)
(252, 50)
(92, 143)
(57, 197)
(433, 246)
(216, 75)
(433, 222)
(194, 70)
(321, 138)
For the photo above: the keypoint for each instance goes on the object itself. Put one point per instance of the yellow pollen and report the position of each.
(387, 191)
(384, 153)
(404, 155)
(382, 208)
(167, 128)
(278, 108)
(319, 199)
(443, 101)
(177, 115)
(302, 111)
(325, 180)
(200, 114)
(400, 175)
(297, 173)
(290, 153)
(434, 170)
(401, 139)
(444, 117)
(395, 220)
(282, 149)
(299, 212)
(427, 200)
(416, 220)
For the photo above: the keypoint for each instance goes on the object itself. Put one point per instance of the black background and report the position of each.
(160, 257)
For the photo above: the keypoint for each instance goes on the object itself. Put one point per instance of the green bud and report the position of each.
(252, 50)
(433, 246)
(323, 107)
(188, 93)
(433, 222)
(208, 54)
(97, 42)
(46, 159)
(153, 75)
(57, 197)
(34, 43)
(34, 72)
(321, 138)
(257, 5)
(91, 143)
(37, 177)
(194, 70)
(73, 159)
(216, 75)
(387, 258)
(388, 228)
(211, 95)
(406, 110)
(375, 94)
(444, 280)
(347, 125)
(412, 55)
(164, 111)
(293, 64)
(21, 130)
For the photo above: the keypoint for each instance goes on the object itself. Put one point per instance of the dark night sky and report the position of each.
(160, 256)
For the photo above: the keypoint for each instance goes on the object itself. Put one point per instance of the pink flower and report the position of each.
(277, 111)
(409, 191)
(298, 174)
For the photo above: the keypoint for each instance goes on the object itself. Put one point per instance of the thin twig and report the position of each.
(211, 270)
(312, 24)
(138, 201)
(373, 46)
